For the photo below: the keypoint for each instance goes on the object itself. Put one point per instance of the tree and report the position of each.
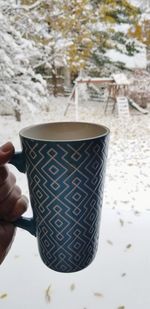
(114, 19)
(62, 27)
(141, 31)
(77, 34)
(20, 87)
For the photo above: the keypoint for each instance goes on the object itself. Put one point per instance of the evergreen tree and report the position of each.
(113, 18)
(141, 30)
(78, 34)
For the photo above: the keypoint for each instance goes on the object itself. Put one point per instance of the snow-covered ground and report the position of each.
(119, 277)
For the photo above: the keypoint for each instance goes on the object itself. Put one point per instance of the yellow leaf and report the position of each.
(98, 294)
(72, 287)
(48, 293)
(4, 295)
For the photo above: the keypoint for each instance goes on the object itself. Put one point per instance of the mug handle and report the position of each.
(28, 224)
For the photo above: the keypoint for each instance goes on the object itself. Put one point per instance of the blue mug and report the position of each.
(65, 165)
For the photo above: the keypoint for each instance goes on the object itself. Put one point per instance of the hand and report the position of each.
(12, 203)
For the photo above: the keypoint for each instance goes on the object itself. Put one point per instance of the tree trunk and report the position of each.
(148, 58)
(67, 78)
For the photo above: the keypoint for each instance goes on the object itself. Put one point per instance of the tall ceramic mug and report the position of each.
(65, 166)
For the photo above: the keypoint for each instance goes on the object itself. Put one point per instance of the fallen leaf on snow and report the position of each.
(72, 287)
(48, 293)
(98, 294)
(128, 246)
(121, 222)
(136, 212)
(110, 242)
(4, 295)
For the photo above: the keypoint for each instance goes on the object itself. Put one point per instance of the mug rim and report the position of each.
(38, 125)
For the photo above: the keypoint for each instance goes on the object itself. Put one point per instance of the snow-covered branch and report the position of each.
(27, 7)
(20, 87)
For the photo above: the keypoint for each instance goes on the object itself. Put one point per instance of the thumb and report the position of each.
(6, 152)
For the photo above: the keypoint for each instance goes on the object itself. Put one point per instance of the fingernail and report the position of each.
(7, 147)
(24, 197)
(25, 202)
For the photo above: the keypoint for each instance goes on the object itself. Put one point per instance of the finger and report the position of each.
(6, 206)
(3, 174)
(19, 208)
(7, 187)
(6, 152)
(7, 233)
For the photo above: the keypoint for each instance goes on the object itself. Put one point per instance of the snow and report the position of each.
(137, 61)
(119, 275)
(122, 27)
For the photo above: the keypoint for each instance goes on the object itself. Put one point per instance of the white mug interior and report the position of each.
(64, 131)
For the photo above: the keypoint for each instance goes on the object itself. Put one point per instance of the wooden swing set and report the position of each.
(117, 86)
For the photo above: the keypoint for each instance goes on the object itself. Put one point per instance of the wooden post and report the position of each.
(76, 101)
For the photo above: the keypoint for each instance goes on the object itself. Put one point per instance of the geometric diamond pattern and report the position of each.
(66, 182)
